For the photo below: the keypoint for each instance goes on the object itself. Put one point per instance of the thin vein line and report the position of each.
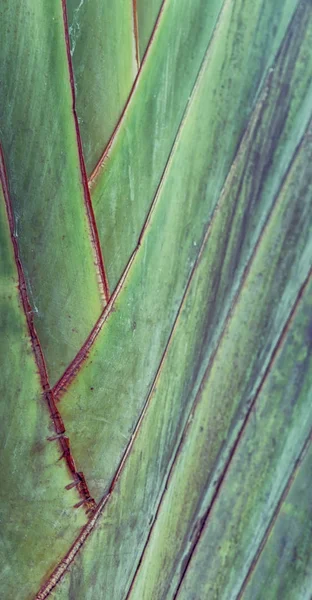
(73, 368)
(136, 32)
(275, 515)
(78, 478)
(97, 168)
(245, 423)
(99, 260)
(225, 326)
(61, 568)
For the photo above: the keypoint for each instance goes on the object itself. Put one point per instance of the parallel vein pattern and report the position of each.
(185, 393)
(47, 186)
(259, 282)
(103, 48)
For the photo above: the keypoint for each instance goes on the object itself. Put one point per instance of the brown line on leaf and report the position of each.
(227, 320)
(245, 422)
(136, 32)
(108, 146)
(73, 368)
(231, 453)
(86, 192)
(275, 515)
(62, 567)
(64, 564)
(59, 436)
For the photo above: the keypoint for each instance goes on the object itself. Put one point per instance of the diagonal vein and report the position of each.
(118, 126)
(61, 568)
(208, 369)
(74, 367)
(136, 32)
(276, 513)
(78, 478)
(242, 430)
(86, 192)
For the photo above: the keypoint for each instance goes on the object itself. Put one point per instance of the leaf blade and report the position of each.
(45, 179)
(34, 506)
(104, 67)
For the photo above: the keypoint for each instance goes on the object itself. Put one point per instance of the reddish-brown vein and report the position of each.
(275, 515)
(86, 192)
(136, 32)
(232, 450)
(228, 318)
(100, 163)
(70, 556)
(62, 567)
(59, 436)
(73, 368)
(245, 423)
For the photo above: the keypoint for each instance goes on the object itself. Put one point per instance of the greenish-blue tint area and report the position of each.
(37, 519)
(103, 55)
(38, 136)
(147, 13)
(284, 568)
(264, 461)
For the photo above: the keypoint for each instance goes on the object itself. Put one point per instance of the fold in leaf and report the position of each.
(271, 444)
(122, 363)
(124, 187)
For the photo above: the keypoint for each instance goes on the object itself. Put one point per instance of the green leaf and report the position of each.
(104, 61)
(38, 523)
(271, 443)
(125, 185)
(287, 545)
(156, 442)
(124, 188)
(147, 13)
(47, 184)
(123, 357)
(247, 260)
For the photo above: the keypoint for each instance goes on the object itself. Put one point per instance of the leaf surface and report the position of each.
(262, 273)
(147, 13)
(38, 523)
(124, 188)
(104, 61)
(123, 358)
(46, 181)
(287, 547)
(184, 404)
(271, 445)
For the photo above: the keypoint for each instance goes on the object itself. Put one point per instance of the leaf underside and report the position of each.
(156, 319)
